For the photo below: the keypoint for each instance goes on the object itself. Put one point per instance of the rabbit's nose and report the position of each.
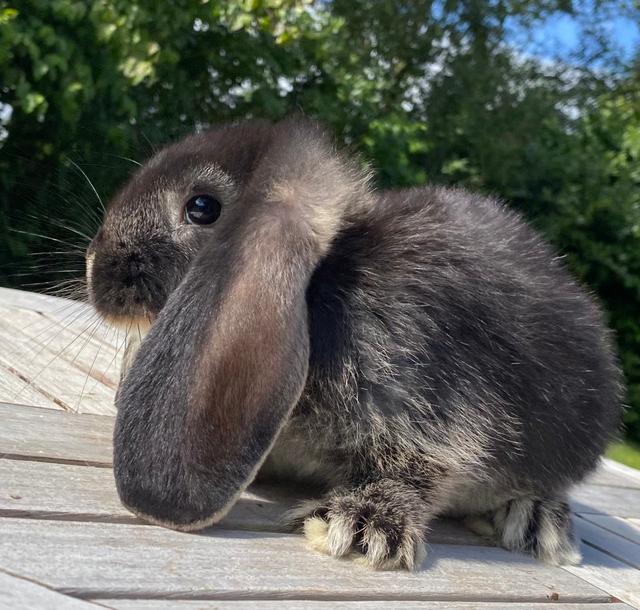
(134, 267)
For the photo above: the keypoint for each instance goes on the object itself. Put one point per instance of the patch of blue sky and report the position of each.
(561, 35)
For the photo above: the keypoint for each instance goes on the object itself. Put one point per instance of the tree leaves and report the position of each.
(426, 91)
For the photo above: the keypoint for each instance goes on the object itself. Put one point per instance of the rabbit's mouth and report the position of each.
(131, 324)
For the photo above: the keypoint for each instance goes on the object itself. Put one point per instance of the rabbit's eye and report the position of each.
(202, 210)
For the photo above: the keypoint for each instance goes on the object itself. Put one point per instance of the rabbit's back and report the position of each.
(441, 324)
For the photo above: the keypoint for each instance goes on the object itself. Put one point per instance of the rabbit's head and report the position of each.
(214, 240)
(156, 224)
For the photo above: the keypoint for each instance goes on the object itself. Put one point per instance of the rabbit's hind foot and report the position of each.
(541, 527)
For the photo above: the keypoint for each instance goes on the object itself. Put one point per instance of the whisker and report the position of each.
(57, 223)
(56, 283)
(49, 252)
(78, 290)
(71, 294)
(95, 325)
(125, 159)
(63, 325)
(154, 149)
(72, 229)
(60, 241)
(93, 188)
(38, 270)
(117, 347)
(93, 362)
(68, 307)
(33, 379)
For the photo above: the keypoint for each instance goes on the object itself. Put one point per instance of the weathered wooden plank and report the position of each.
(64, 491)
(50, 311)
(615, 475)
(604, 571)
(18, 594)
(122, 560)
(626, 551)
(35, 301)
(49, 374)
(614, 501)
(87, 439)
(51, 490)
(78, 345)
(184, 604)
(78, 323)
(627, 528)
(11, 385)
(45, 434)
(52, 375)
(608, 478)
(58, 490)
(623, 469)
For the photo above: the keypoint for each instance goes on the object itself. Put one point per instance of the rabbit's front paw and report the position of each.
(382, 524)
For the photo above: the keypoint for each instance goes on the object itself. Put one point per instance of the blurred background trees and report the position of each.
(468, 92)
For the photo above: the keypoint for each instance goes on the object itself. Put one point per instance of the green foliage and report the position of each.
(626, 453)
(596, 219)
(426, 91)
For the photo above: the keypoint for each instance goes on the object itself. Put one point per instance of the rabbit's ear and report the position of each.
(224, 364)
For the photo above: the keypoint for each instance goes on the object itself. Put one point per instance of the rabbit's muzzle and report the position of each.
(127, 281)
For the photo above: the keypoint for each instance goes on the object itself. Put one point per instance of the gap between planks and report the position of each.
(17, 593)
(33, 490)
(125, 561)
(299, 604)
(621, 548)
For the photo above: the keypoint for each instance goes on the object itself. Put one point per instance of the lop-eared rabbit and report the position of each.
(411, 353)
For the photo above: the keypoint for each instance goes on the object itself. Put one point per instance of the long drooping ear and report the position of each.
(224, 364)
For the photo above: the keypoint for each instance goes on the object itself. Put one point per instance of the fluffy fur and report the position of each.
(413, 352)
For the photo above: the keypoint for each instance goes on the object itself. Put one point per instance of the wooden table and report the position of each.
(66, 542)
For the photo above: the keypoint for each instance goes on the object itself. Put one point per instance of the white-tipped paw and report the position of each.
(378, 535)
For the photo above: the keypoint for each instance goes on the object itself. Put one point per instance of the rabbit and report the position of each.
(410, 353)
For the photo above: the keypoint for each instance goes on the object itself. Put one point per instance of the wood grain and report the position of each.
(34, 301)
(20, 594)
(159, 604)
(44, 490)
(609, 477)
(60, 349)
(45, 434)
(611, 575)
(122, 560)
(63, 491)
(51, 375)
(613, 501)
(627, 528)
(12, 387)
(621, 548)
(86, 344)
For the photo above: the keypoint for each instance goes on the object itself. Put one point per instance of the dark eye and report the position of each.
(202, 210)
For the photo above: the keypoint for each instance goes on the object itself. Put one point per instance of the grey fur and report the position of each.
(454, 366)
